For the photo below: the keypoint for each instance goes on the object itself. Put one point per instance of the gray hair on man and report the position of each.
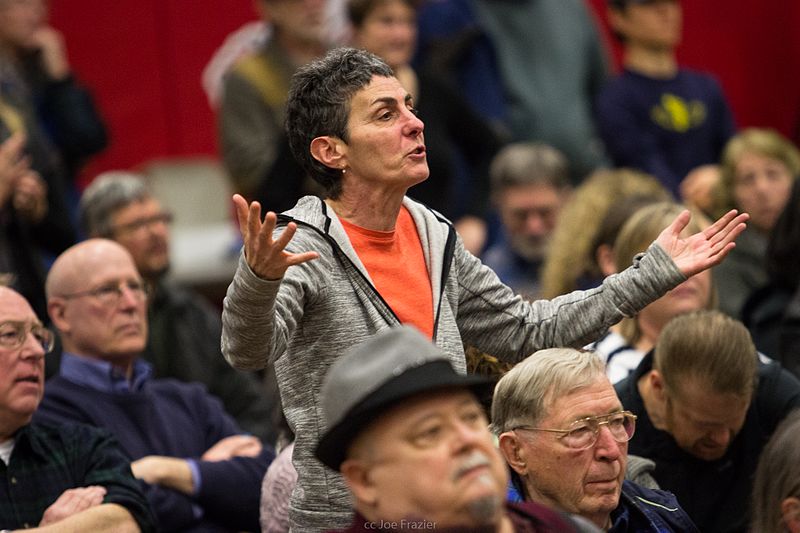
(529, 163)
(523, 394)
(109, 192)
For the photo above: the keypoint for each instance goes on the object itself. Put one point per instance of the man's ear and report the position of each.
(356, 474)
(57, 311)
(790, 509)
(657, 385)
(330, 151)
(513, 451)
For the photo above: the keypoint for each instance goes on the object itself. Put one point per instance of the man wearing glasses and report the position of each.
(66, 478)
(183, 328)
(201, 472)
(563, 431)
(410, 437)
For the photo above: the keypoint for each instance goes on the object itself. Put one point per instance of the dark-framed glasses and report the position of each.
(139, 224)
(582, 433)
(13, 335)
(110, 293)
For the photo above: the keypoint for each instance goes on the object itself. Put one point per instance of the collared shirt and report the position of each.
(102, 375)
(105, 377)
(46, 461)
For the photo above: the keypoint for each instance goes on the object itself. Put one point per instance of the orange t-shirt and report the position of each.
(396, 264)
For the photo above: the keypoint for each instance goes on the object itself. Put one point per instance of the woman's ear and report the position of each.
(330, 151)
(513, 451)
(604, 256)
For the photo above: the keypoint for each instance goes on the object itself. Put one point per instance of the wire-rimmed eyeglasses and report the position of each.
(110, 293)
(13, 335)
(582, 433)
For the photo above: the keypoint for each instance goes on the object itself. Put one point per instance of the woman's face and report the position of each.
(390, 32)
(385, 145)
(691, 295)
(761, 187)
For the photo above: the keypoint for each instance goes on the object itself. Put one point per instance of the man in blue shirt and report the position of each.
(202, 473)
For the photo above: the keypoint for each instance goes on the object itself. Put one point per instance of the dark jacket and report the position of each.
(715, 494)
(643, 510)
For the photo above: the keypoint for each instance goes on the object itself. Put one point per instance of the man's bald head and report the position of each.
(97, 300)
(69, 271)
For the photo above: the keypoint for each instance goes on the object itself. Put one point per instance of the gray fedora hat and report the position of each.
(391, 366)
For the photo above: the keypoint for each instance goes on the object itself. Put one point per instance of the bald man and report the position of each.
(202, 473)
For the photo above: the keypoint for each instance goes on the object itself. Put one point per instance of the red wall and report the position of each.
(754, 50)
(143, 60)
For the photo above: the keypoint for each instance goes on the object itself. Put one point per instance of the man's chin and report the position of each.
(709, 454)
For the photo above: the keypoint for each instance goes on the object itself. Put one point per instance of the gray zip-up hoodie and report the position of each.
(322, 308)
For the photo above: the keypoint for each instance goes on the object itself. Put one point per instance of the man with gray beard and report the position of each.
(411, 439)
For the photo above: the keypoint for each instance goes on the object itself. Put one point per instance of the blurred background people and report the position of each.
(758, 168)
(63, 125)
(772, 313)
(656, 116)
(776, 489)
(552, 62)
(626, 343)
(571, 261)
(529, 185)
(251, 113)
(23, 207)
(184, 329)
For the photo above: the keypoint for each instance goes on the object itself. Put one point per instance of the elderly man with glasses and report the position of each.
(563, 431)
(201, 472)
(66, 478)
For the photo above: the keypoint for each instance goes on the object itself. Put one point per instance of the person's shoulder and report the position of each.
(698, 78)
(657, 502)
(66, 436)
(532, 516)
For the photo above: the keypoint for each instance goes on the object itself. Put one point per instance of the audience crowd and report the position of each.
(483, 285)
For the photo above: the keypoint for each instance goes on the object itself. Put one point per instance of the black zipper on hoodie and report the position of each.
(338, 252)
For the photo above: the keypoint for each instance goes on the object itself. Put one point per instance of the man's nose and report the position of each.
(606, 446)
(721, 437)
(31, 348)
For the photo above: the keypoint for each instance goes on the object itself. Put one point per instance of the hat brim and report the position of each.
(332, 447)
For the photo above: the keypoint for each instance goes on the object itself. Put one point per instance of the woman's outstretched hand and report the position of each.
(705, 249)
(266, 256)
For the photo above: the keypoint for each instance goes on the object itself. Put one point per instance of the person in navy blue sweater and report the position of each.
(655, 116)
(202, 473)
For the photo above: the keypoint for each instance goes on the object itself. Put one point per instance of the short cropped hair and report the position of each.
(711, 348)
(526, 392)
(109, 192)
(319, 105)
(777, 476)
(528, 163)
